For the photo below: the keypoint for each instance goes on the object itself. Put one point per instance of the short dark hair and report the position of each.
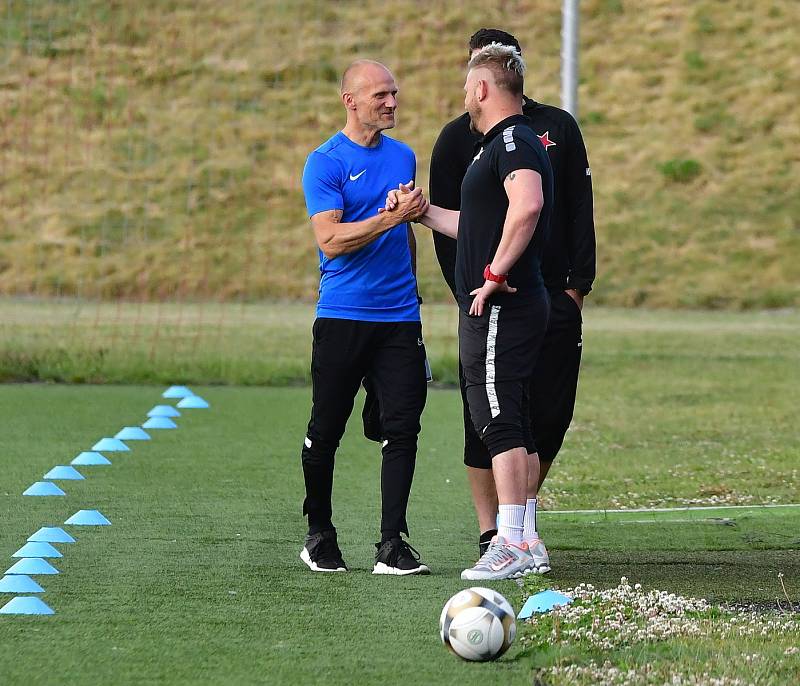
(483, 37)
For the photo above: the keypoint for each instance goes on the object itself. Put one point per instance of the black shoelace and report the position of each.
(407, 548)
(327, 549)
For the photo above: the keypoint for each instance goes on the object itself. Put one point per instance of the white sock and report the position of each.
(512, 522)
(529, 531)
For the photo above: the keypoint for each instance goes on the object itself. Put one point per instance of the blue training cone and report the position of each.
(31, 566)
(176, 392)
(90, 458)
(37, 549)
(26, 605)
(88, 518)
(110, 445)
(19, 583)
(193, 402)
(159, 423)
(163, 411)
(132, 433)
(51, 534)
(543, 602)
(63, 473)
(43, 488)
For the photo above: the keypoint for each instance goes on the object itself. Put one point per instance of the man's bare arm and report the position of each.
(441, 220)
(525, 202)
(335, 238)
(436, 218)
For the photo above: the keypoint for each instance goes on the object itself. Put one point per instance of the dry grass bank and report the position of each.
(154, 149)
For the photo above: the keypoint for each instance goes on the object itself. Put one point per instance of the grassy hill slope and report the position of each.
(154, 149)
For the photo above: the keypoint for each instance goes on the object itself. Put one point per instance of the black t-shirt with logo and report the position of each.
(509, 146)
(570, 254)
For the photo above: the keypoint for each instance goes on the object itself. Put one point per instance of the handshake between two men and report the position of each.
(408, 204)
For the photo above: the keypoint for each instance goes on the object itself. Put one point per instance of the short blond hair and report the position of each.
(505, 62)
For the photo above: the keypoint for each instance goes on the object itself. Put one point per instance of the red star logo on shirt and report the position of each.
(545, 138)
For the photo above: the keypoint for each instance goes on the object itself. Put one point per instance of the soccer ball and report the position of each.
(478, 624)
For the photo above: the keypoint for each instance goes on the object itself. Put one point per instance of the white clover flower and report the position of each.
(626, 615)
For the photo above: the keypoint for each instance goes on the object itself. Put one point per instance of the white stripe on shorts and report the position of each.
(491, 340)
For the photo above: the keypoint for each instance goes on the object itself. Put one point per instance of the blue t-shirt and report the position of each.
(374, 283)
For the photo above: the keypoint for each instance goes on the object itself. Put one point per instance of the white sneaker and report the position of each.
(502, 560)
(539, 557)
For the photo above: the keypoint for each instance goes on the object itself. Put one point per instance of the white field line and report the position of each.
(669, 520)
(698, 508)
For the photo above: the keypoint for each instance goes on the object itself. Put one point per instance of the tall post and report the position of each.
(569, 56)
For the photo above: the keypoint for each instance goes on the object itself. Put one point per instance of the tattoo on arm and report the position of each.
(512, 176)
(336, 216)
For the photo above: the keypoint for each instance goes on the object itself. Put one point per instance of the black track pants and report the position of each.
(392, 356)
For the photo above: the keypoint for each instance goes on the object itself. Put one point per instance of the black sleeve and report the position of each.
(517, 151)
(447, 172)
(579, 205)
(447, 169)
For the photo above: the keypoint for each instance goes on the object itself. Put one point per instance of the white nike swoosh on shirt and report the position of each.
(353, 178)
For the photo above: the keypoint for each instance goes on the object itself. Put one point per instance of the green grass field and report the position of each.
(198, 581)
(151, 156)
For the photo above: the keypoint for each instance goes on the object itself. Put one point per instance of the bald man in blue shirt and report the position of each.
(368, 322)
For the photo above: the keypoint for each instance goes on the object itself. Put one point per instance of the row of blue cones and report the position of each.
(33, 556)
(33, 561)
(160, 417)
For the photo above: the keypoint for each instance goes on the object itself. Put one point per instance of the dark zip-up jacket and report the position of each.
(570, 254)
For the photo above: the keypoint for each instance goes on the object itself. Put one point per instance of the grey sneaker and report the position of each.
(541, 560)
(503, 560)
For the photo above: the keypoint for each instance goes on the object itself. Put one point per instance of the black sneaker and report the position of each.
(321, 553)
(485, 541)
(397, 557)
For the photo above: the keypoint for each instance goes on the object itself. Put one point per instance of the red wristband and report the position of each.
(497, 278)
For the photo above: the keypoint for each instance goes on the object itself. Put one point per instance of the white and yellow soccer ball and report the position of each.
(478, 624)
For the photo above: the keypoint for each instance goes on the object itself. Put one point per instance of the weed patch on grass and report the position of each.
(627, 635)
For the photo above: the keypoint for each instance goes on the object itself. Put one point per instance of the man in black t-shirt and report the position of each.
(568, 268)
(506, 201)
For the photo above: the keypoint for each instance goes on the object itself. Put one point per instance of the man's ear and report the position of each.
(482, 90)
(349, 101)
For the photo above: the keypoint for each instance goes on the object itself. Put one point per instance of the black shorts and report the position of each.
(498, 352)
(552, 387)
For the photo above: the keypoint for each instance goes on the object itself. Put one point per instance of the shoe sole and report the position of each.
(543, 569)
(305, 557)
(383, 568)
(479, 576)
